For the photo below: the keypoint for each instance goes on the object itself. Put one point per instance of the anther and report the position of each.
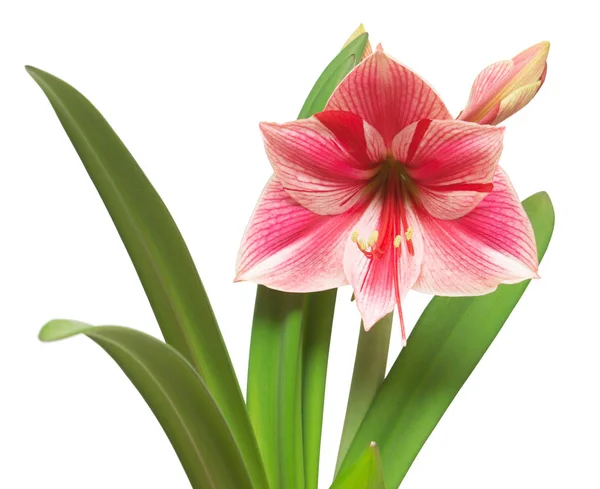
(409, 233)
(354, 236)
(397, 241)
(373, 238)
(361, 244)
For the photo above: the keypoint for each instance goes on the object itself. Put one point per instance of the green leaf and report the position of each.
(178, 397)
(278, 359)
(158, 252)
(369, 371)
(365, 473)
(274, 385)
(317, 325)
(445, 346)
(335, 72)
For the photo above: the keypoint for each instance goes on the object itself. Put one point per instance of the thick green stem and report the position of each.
(317, 323)
(274, 385)
(368, 375)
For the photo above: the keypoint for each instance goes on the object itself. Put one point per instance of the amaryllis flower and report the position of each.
(385, 191)
(507, 86)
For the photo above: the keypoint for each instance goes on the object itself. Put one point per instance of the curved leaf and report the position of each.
(178, 397)
(335, 72)
(445, 346)
(158, 252)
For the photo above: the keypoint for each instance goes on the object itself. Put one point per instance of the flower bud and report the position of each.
(506, 86)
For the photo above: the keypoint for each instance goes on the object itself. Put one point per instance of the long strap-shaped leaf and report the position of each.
(366, 473)
(331, 77)
(369, 371)
(178, 397)
(159, 254)
(276, 366)
(445, 346)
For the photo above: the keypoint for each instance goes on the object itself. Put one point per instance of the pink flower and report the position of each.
(385, 191)
(507, 86)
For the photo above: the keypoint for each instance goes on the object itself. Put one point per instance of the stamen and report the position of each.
(409, 243)
(368, 247)
(411, 248)
(393, 230)
(373, 238)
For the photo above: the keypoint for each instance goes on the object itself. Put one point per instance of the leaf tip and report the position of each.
(32, 70)
(545, 196)
(540, 197)
(360, 31)
(58, 329)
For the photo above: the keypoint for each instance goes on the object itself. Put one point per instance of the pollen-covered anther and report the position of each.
(373, 238)
(409, 233)
(361, 244)
(397, 241)
(367, 247)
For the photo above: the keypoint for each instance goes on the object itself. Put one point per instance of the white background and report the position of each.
(185, 84)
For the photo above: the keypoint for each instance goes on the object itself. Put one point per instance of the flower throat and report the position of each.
(393, 231)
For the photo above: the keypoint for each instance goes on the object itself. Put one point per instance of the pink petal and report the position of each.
(531, 63)
(452, 163)
(324, 162)
(501, 80)
(373, 279)
(287, 247)
(492, 245)
(489, 81)
(515, 102)
(387, 95)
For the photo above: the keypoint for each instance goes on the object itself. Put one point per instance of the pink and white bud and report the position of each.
(505, 87)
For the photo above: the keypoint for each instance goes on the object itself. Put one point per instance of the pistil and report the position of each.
(393, 229)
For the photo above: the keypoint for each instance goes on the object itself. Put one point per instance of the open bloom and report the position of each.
(385, 191)
(505, 87)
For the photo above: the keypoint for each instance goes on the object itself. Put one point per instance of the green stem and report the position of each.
(274, 385)
(368, 375)
(317, 323)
